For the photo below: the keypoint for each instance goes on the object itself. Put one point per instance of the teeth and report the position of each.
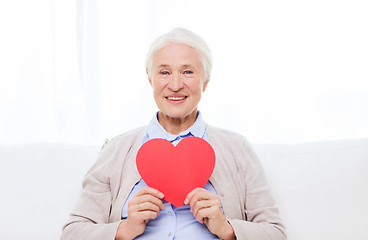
(175, 98)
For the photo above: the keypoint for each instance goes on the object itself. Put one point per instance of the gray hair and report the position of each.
(180, 35)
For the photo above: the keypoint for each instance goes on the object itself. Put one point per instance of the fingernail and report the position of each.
(186, 201)
(161, 195)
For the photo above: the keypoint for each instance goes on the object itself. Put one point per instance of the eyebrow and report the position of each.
(187, 66)
(183, 66)
(163, 66)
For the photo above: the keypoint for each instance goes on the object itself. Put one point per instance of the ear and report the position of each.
(205, 85)
(149, 78)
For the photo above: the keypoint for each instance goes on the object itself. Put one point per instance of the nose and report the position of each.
(175, 82)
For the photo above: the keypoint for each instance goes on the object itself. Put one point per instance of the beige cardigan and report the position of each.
(238, 178)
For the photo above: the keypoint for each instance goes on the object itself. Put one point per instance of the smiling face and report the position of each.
(177, 79)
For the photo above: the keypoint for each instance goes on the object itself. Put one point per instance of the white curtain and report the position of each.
(284, 71)
(49, 73)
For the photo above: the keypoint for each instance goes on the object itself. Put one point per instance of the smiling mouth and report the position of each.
(176, 98)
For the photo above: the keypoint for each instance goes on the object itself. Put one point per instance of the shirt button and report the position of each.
(169, 234)
(169, 212)
(222, 194)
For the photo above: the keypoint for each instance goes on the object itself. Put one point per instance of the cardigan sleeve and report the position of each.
(90, 218)
(245, 194)
(262, 217)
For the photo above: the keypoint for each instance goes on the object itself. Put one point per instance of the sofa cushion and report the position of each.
(321, 188)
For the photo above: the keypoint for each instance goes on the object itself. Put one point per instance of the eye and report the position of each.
(164, 72)
(188, 72)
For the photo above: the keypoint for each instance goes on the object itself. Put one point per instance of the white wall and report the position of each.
(284, 71)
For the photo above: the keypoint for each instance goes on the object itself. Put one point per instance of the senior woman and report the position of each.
(235, 203)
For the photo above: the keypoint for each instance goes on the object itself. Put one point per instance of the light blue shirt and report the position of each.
(173, 222)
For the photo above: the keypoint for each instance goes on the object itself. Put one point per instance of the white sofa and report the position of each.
(321, 188)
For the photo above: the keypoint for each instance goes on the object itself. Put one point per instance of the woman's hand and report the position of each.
(206, 208)
(145, 205)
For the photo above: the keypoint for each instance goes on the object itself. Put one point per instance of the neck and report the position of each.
(176, 125)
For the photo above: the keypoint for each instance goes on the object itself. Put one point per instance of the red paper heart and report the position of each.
(175, 171)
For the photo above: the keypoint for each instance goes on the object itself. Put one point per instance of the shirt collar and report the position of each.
(155, 130)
